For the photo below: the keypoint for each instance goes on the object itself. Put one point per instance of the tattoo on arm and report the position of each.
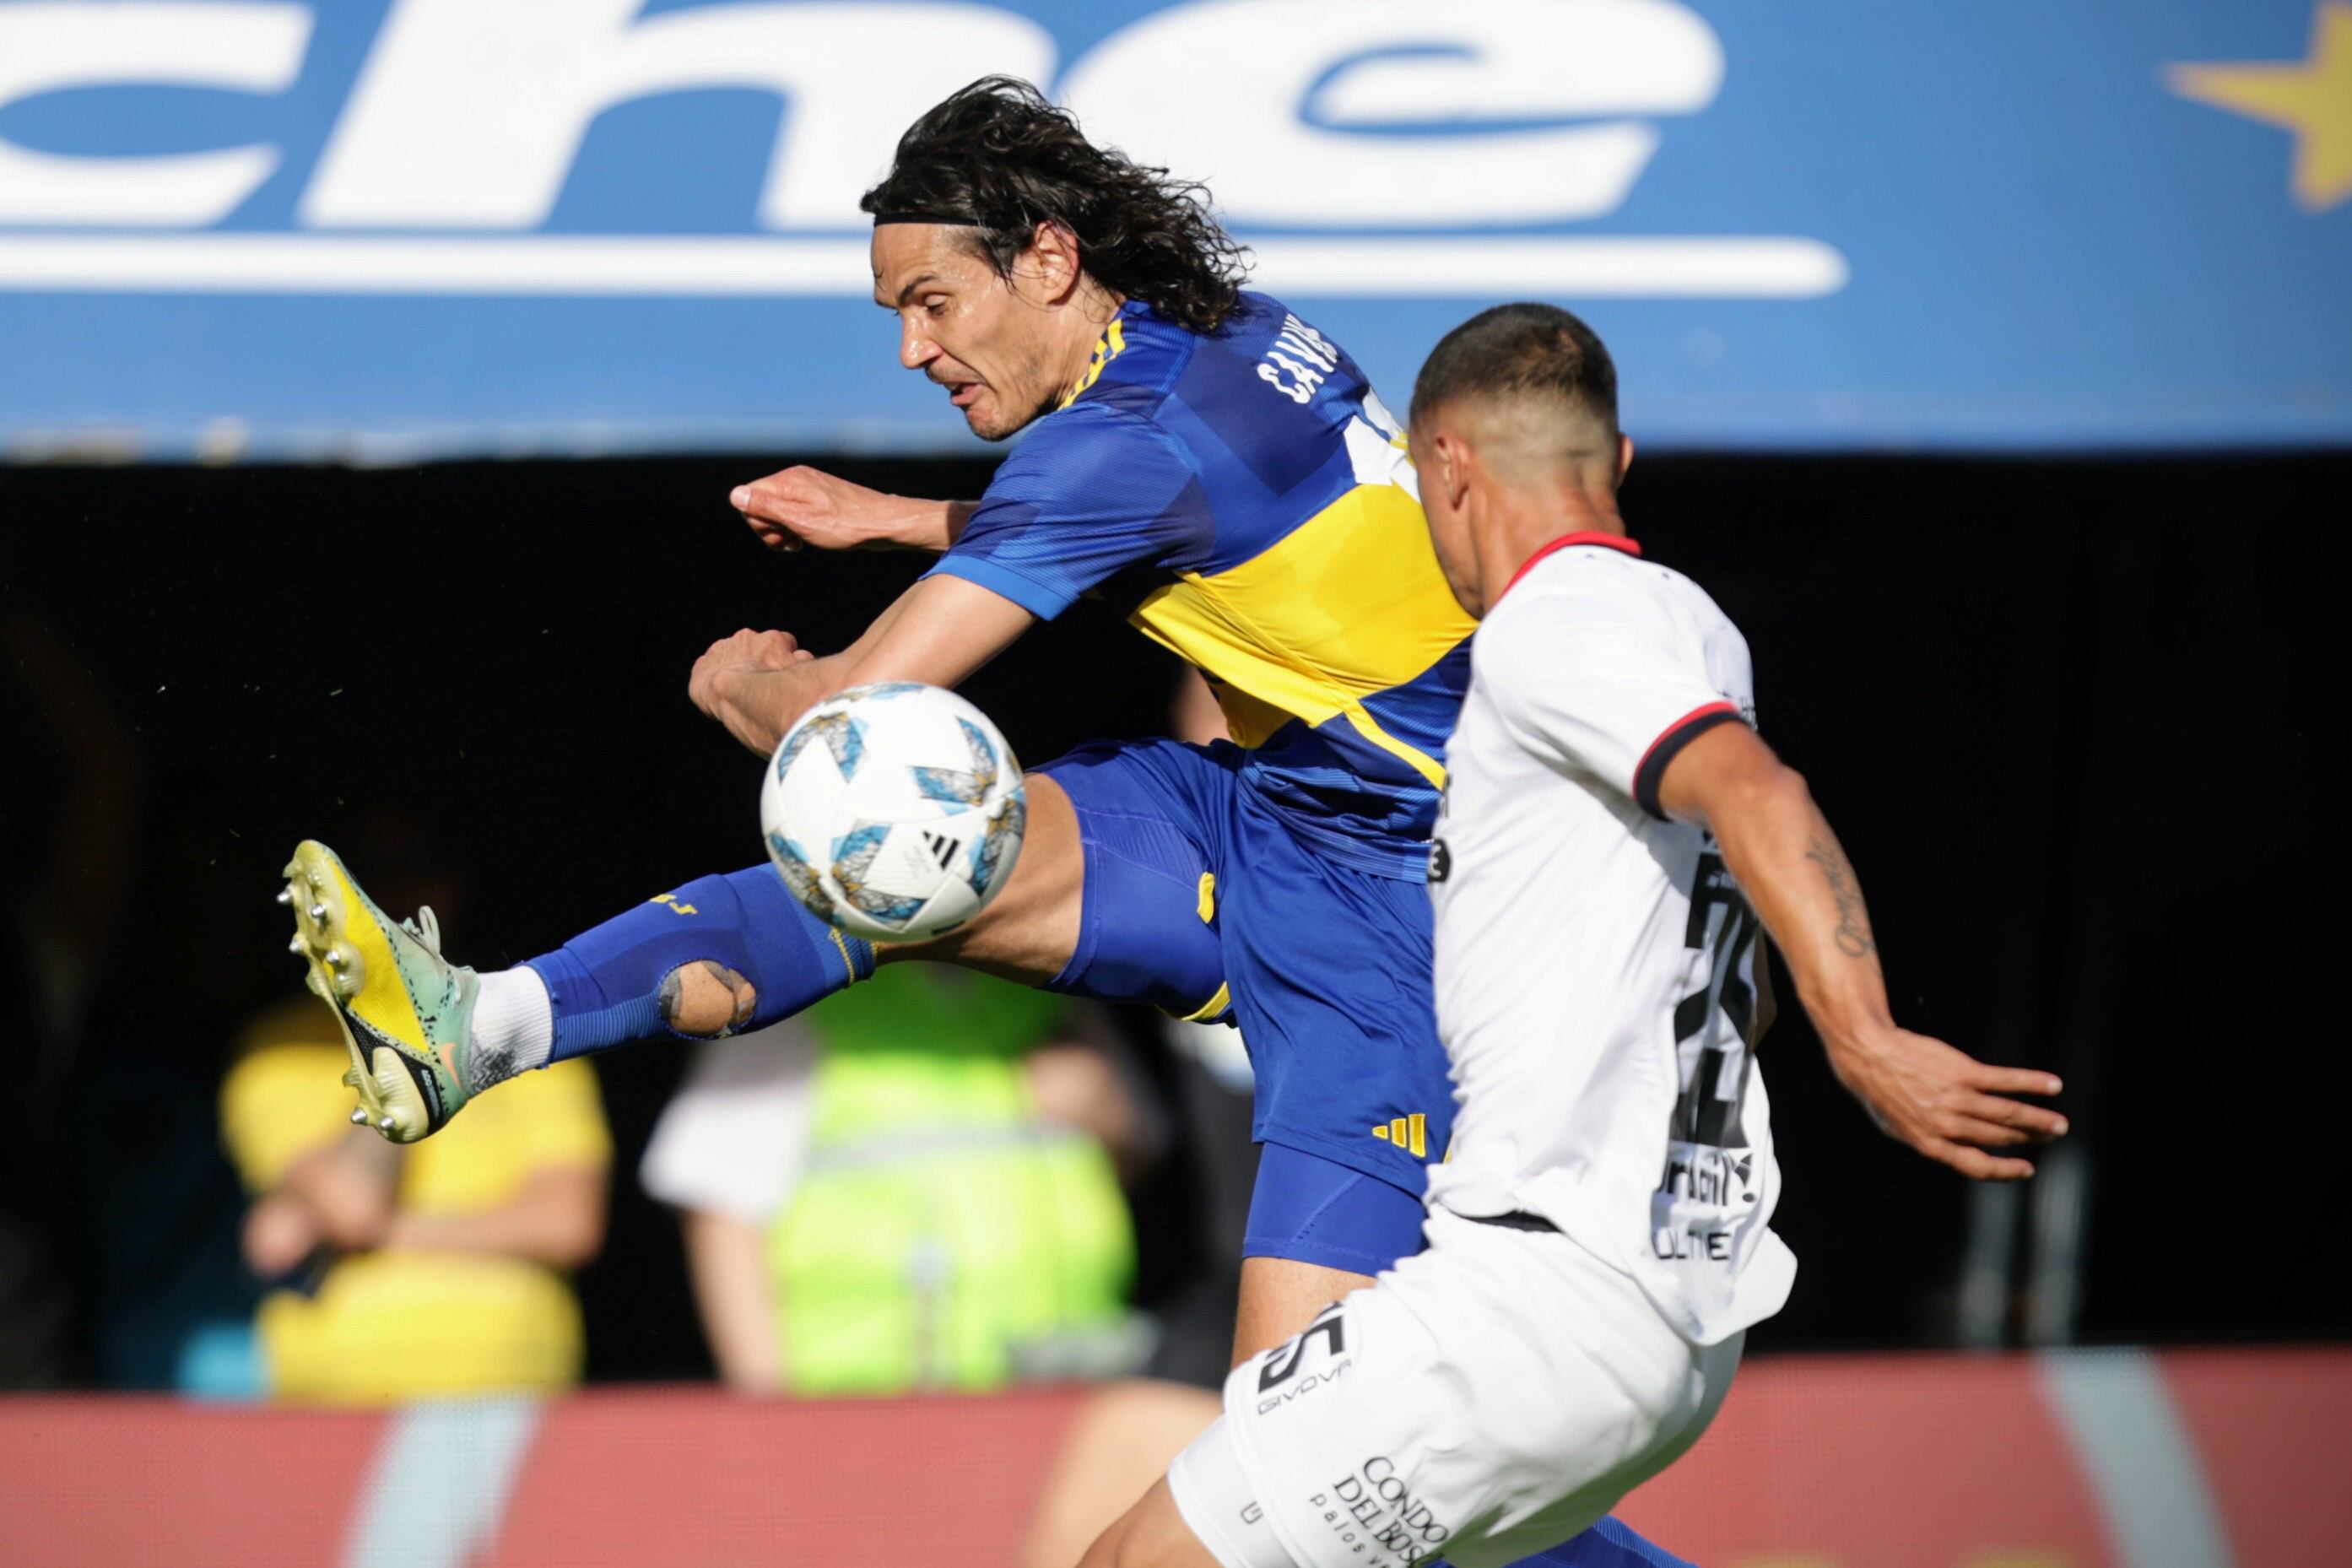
(1853, 935)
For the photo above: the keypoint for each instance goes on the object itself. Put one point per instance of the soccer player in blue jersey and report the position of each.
(1224, 472)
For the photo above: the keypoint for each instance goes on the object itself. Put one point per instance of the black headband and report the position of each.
(955, 218)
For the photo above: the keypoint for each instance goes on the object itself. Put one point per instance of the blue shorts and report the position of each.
(1200, 901)
(1307, 1208)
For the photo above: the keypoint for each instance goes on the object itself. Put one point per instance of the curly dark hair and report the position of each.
(1000, 155)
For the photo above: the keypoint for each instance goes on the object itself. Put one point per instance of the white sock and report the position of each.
(513, 1029)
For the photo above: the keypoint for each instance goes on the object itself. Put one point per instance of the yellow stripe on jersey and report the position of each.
(1207, 1010)
(1350, 604)
(1109, 347)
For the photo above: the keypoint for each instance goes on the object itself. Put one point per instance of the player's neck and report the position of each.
(1088, 314)
(1519, 523)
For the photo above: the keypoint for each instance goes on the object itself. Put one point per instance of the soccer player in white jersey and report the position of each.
(1613, 833)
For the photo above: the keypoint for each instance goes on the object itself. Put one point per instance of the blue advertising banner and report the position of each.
(378, 230)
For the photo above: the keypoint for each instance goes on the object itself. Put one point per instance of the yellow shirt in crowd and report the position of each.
(393, 1325)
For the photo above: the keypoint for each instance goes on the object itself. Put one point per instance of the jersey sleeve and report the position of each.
(1601, 682)
(1091, 491)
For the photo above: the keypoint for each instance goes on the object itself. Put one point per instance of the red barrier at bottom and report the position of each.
(689, 1477)
(2106, 1459)
(1919, 1462)
(2275, 1430)
(104, 1480)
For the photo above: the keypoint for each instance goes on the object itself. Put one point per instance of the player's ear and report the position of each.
(1453, 468)
(1624, 456)
(1054, 255)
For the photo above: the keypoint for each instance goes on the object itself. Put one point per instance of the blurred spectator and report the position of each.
(434, 1270)
(912, 1185)
(437, 1269)
(67, 799)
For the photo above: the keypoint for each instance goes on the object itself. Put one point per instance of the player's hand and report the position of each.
(1948, 1105)
(799, 506)
(716, 685)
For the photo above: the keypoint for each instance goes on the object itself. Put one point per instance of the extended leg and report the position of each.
(1114, 1450)
(715, 955)
(737, 951)
(1030, 930)
(1308, 1218)
(1153, 1534)
(1354, 1459)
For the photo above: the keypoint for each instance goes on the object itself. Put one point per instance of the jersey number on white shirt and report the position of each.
(1707, 1149)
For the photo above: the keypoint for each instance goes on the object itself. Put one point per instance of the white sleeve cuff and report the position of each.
(734, 1139)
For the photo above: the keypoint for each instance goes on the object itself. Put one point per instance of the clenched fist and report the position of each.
(729, 669)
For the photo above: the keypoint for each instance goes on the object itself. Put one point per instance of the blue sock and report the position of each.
(1608, 1544)
(606, 983)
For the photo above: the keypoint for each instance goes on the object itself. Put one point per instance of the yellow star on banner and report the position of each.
(2311, 98)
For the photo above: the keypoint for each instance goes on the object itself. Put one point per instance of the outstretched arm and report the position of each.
(802, 505)
(939, 631)
(1939, 1100)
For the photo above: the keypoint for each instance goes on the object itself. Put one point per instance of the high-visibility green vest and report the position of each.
(940, 1238)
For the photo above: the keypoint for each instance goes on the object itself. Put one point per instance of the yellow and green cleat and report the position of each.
(405, 1010)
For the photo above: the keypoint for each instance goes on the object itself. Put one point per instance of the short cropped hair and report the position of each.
(1516, 350)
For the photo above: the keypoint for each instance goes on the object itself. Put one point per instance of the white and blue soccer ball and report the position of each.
(894, 811)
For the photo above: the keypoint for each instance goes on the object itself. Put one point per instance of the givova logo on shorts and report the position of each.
(1280, 1378)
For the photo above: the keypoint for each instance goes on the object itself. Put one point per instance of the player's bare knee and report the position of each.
(1106, 1552)
(1101, 1555)
(706, 999)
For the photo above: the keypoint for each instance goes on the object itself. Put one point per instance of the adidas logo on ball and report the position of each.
(895, 811)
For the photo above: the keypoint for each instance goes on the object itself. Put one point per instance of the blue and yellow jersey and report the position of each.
(1249, 500)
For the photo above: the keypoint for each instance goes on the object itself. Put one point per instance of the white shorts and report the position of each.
(1489, 1397)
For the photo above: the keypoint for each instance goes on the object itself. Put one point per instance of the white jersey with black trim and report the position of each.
(1595, 962)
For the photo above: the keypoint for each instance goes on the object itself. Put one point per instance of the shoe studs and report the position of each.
(335, 959)
(317, 914)
(295, 946)
(384, 1126)
(359, 1116)
(285, 896)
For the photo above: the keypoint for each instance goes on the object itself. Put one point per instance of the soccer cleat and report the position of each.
(405, 1009)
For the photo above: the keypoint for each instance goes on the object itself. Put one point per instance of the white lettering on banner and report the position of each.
(1275, 147)
(468, 115)
(468, 112)
(1592, 266)
(45, 47)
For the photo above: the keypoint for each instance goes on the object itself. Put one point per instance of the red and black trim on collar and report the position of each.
(1581, 536)
(1651, 771)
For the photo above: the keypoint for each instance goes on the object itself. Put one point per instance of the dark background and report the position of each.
(2068, 717)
